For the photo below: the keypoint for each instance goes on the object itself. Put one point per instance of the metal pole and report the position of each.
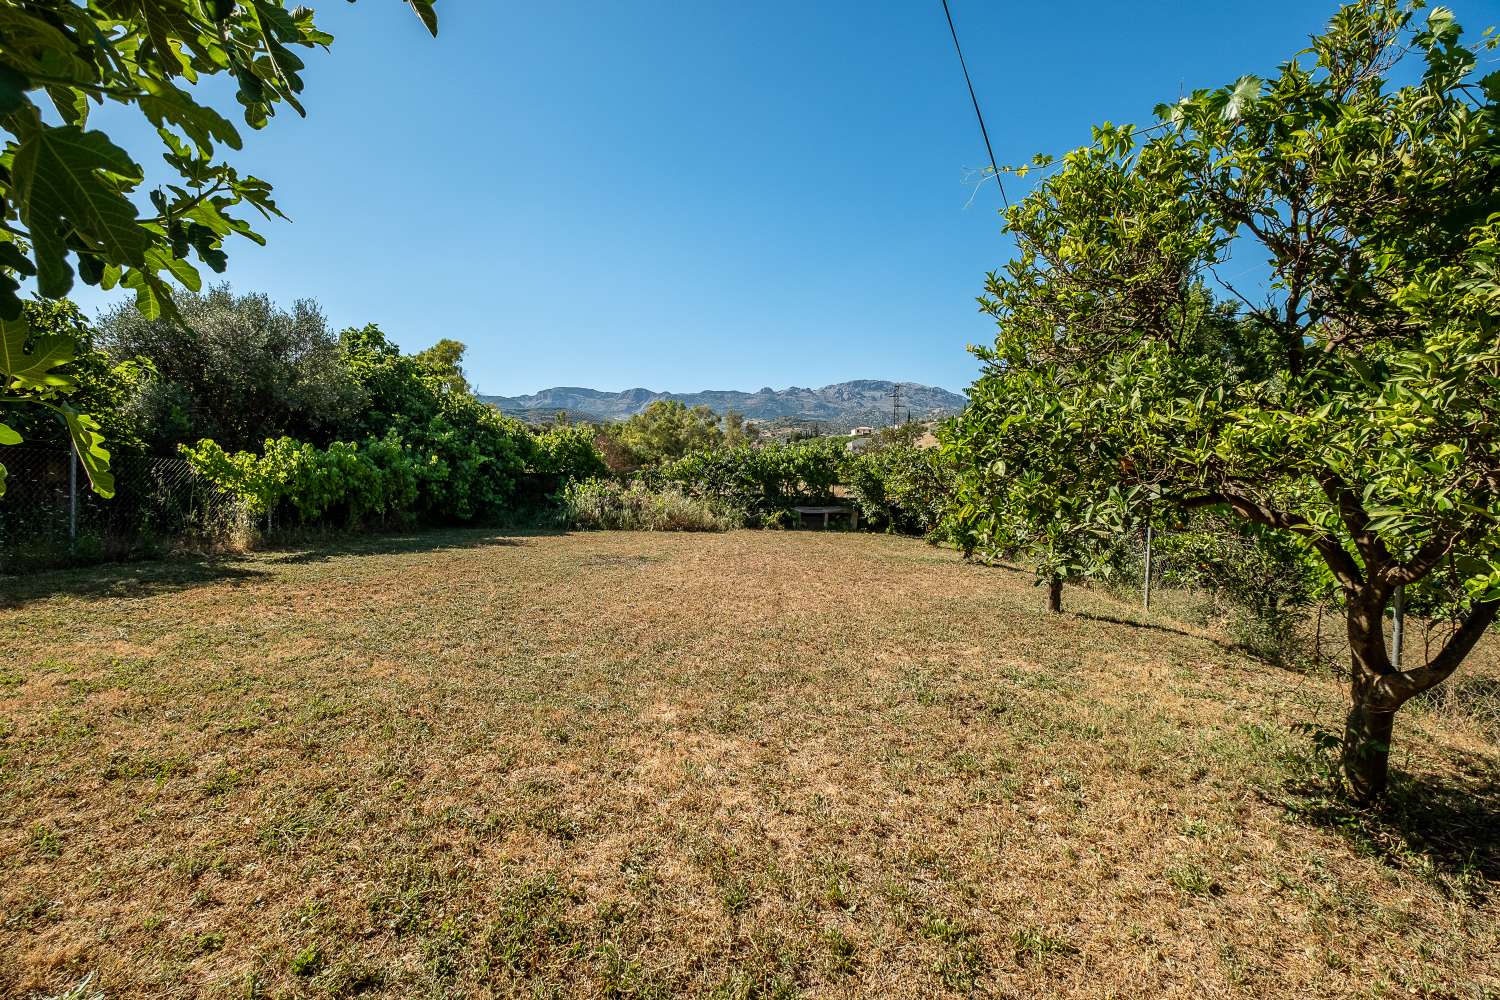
(1398, 626)
(1148, 567)
(72, 497)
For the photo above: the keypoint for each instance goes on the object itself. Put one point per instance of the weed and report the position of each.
(307, 963)
(840, 950)
(1032, 943)
(1193, 879)
(45, 841)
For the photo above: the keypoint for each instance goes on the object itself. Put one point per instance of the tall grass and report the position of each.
(603, 504)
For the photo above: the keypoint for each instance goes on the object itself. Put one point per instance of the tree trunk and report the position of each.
(1054, 595)
(1367, 751)
(1367, 731)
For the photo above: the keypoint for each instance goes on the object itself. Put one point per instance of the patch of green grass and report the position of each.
(307, 963)
(1032, 943)
(1193, 879)
(45, 841)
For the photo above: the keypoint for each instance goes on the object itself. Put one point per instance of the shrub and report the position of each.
(569, 452)
(901, 488)
(604, 504)
(758, 482)
(455, 472)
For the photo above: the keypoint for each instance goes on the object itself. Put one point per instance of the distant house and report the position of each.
(861, 432)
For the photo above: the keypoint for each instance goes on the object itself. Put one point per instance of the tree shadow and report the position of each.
(124, 580)
(182, 571)
(1153, 626)
(323, 549)
(1438, 826)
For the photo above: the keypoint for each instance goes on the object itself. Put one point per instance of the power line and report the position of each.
(973, 97)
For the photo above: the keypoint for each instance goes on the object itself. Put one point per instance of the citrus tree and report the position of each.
(69, 196)
(1353, 400)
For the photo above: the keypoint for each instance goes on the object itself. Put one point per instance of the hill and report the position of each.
(863, 401)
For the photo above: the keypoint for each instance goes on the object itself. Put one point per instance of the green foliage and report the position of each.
(667, 430)
(66, 190)
(347, 482)
(901, 488)
(1354, 410)
(1261, 580)
(235, 368)
(737, 432)
(759, 481)
(40, 364)
(637, 506)
(569, 452)
(472, 455)
(460, 467)
(446, 359)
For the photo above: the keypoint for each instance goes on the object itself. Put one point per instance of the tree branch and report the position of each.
(1344, 568)
(1398, 687)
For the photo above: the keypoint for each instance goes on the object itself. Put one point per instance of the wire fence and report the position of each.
(50, 516)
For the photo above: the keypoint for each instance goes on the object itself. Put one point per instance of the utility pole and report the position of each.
(896, 404)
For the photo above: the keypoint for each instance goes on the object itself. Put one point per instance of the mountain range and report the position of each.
(863, 401)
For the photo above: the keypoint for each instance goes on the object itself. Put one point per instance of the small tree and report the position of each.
(1352, 406)
(65, 190)
(668, 429)
(446, 358)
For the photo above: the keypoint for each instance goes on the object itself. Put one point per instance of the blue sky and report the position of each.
(689, 196)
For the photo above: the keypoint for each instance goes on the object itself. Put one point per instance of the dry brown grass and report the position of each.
(742, 765)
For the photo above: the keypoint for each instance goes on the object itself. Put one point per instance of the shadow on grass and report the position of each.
(1153, 626)
(323, 548)
(124, 580)
(115, 580)
(1441, 827)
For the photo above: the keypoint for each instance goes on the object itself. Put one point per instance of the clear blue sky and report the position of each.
(689, 196)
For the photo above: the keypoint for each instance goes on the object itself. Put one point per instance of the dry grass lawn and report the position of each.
(745, 765)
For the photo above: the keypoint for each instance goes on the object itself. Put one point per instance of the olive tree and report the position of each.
(68, 193)
(1351, 401)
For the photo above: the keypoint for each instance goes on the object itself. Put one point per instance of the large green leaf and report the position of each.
(89, 444)
(203, 125)
(31, 359)
(426, 13)
(1244, 93)
(61, 180)
(8, 435)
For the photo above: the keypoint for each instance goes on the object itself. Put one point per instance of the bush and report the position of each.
(348, 483)
(759, 483)
(901, 489)
(569, 452)
(455, 471)
(604, 504)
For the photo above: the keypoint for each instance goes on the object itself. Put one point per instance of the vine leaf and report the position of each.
(1244, 93)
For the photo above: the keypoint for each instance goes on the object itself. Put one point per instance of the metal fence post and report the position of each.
(1148, 567)
(1398, 626)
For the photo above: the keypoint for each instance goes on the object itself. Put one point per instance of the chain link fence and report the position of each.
(50, 516)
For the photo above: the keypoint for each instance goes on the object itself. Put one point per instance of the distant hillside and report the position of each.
(864, 401)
